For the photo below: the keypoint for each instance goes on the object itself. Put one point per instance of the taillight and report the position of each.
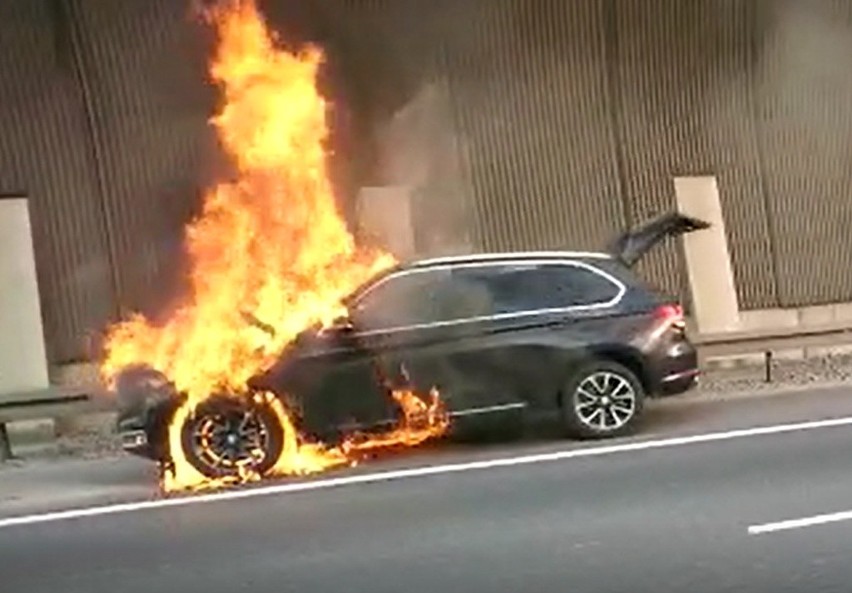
(672, 314)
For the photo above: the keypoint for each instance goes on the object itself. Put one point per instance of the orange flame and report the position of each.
(270, 254)
(270, 245)
(421, 421)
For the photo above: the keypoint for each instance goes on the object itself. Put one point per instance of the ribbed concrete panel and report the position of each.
(534, 118)
(563, 120)
(805, 85)
(145, 64)
(685, 107)
(388, 48)
(45, 152)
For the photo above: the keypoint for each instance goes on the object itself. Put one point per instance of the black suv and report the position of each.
(497, 334)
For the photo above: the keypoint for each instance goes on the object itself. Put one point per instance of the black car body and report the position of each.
(496, 334)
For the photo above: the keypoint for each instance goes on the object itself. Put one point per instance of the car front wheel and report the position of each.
(232, 437)
(603, 399)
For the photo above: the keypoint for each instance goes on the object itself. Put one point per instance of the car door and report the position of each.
(392, 341)
(479, 332)
(545, 314)
(328, 379)
(420, 328)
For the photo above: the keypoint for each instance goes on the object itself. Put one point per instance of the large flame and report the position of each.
(270, 245)
(270, 254)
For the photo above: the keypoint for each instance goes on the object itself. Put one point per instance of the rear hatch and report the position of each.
(630, 246)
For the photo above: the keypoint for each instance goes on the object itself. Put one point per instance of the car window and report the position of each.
(400, 300)
(431, 296)
(578, 286)
(463, 297)
(525, 287)
(423, 297)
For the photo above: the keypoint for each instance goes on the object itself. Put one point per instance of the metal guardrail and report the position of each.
(53, 402)
(769, 341)
(745, 342)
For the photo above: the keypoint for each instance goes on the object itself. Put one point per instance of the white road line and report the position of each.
(418, 472)
(800, 523)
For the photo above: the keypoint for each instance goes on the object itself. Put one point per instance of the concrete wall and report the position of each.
(510, 124)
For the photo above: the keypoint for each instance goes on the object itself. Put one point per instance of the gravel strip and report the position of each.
(787, 375)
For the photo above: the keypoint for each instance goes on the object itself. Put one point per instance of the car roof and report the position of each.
(504, 256)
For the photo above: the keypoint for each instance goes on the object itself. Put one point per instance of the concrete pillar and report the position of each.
(385, 217)
(23, 362)
(711, 278)
(419, 150)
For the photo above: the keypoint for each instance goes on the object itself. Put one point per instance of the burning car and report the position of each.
(247, 374)
(487, 335)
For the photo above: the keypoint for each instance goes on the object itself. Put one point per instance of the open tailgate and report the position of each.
(631, 246)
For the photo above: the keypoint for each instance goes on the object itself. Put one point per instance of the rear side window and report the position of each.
(521, 287)
(580, 285)
(642, 295)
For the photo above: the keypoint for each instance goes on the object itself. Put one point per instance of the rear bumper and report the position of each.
(679, 382)
(675, 368)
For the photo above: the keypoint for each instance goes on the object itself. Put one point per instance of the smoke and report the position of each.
(419, 155)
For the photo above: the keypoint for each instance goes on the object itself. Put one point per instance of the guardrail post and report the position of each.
(5, 444)
(767, 356)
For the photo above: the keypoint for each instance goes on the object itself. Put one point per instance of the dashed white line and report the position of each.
(419, 472)
(800, 523)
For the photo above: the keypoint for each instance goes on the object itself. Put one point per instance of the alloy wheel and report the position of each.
(228, 440)
(605, 401)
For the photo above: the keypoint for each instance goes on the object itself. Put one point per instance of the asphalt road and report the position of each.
(667, 519)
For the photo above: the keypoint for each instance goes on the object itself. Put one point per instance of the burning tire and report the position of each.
(603, 399)
(230, 437)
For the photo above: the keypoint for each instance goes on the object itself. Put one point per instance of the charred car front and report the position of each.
(496, 334)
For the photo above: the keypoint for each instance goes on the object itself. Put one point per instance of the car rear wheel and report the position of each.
(232, 437)
(603, 399)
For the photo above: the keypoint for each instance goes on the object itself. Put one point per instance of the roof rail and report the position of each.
(509, 255)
